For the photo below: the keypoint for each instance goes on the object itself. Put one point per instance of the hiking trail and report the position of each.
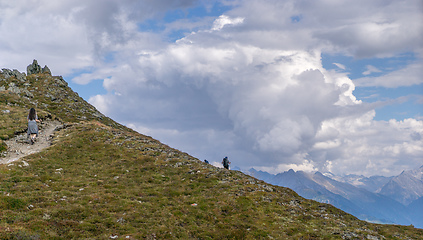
(20, 146)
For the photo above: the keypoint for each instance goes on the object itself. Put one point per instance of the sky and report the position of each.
(322, 85)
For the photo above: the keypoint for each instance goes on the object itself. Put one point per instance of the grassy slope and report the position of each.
(101, 180)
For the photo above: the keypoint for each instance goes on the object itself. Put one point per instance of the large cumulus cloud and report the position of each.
(246, 84)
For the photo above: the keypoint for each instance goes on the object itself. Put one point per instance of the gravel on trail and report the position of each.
(20, 146)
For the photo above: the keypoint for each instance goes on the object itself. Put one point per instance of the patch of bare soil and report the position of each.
(20, 146)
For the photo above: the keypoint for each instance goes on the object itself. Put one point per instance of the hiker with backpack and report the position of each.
(226, 162)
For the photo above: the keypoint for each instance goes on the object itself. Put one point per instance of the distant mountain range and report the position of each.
(406, 187)
(397, 200)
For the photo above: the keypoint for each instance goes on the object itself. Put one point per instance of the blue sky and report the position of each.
(409, 107)
(309, 85)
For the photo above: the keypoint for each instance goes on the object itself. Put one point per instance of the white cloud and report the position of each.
(350, 144)
(100, 102)
(371, 69)
(306, 166)
(275, 101)
(381, 28)
(29, 31)
(70, 35)
(407, 76)
(223, 20)
(341, 66)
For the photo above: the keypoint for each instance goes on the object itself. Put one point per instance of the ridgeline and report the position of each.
(97, 179)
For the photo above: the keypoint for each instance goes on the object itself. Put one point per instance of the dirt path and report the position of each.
(19, 146)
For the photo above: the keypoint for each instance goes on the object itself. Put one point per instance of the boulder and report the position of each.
(46, 70)
(33, 68)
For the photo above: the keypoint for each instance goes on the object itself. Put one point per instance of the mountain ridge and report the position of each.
(101, 180)
(372, 183)
(362, 203)
(406, 187)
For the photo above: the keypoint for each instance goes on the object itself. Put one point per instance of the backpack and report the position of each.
(225, 161)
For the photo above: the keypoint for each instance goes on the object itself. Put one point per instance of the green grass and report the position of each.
(15, 120)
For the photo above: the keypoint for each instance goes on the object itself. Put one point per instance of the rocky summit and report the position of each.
(34, 68)
(92, 178)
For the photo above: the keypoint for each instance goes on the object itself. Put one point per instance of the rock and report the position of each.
(372, 237)
(267, 188)
(349, 235)
(98, 115)
(46, 70)
(33, 68)
(121, 220)
(7, 73)
(60, 81)
(27, 93)
(20, 76)
(13, 88)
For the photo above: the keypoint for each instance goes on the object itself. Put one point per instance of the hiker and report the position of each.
(226, 162)
(205, 160)
(32, 125)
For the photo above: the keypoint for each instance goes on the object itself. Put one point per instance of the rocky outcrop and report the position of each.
(7, 73)
(45, 69)
(34, 68)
